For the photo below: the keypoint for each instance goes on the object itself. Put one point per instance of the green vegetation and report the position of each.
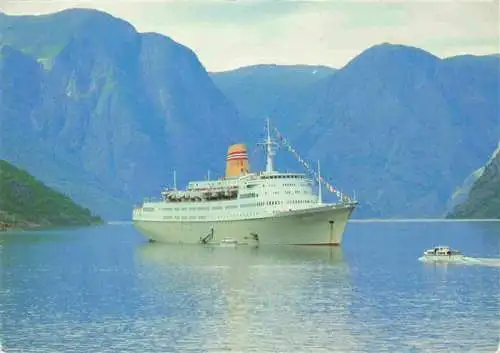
(27, 203)
(483, 201)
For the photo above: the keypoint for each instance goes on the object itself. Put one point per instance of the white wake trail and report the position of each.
(467, 260)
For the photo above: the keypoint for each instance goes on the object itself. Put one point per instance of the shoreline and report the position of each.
(27, 226)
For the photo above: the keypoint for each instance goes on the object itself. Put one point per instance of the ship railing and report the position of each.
(152, 199)
(215, 188)
(200, 199)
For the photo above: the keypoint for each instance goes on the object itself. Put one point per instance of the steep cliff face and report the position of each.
(483, 200)
(113, 113)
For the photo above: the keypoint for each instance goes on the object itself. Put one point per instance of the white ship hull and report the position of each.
(322, 225)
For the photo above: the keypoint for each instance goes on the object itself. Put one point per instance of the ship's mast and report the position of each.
(270, 149)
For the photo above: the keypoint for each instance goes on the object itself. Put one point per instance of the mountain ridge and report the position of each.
(112, 112)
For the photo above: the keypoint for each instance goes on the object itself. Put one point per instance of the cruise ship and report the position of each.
(262, 208)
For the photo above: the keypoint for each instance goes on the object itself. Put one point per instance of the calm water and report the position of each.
(105, 289)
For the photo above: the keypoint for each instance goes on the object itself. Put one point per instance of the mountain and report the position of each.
(27, 203)
(483, 199)
(399, 125)
(104, 113)
(462, 192)
(258, 90)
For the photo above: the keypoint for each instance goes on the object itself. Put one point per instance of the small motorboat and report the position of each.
(442, 253)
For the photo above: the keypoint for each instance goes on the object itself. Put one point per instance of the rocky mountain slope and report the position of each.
(483, 199)
(397, 124)
(104, 113)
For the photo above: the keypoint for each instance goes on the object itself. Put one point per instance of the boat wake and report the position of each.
(466, 260)
(492, 262)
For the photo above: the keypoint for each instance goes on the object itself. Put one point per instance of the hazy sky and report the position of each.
(226, 34)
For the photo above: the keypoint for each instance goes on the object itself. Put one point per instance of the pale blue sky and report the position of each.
(227, 34)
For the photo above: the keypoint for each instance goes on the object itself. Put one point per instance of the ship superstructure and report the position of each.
(267, 207)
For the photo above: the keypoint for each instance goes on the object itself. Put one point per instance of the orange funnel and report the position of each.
(237, 160)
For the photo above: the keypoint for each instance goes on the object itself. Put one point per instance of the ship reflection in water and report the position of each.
(247, 299)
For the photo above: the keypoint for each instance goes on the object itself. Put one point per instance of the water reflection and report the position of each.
(19, 237)
(104, 289)
(193, 255)
(259, 299)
